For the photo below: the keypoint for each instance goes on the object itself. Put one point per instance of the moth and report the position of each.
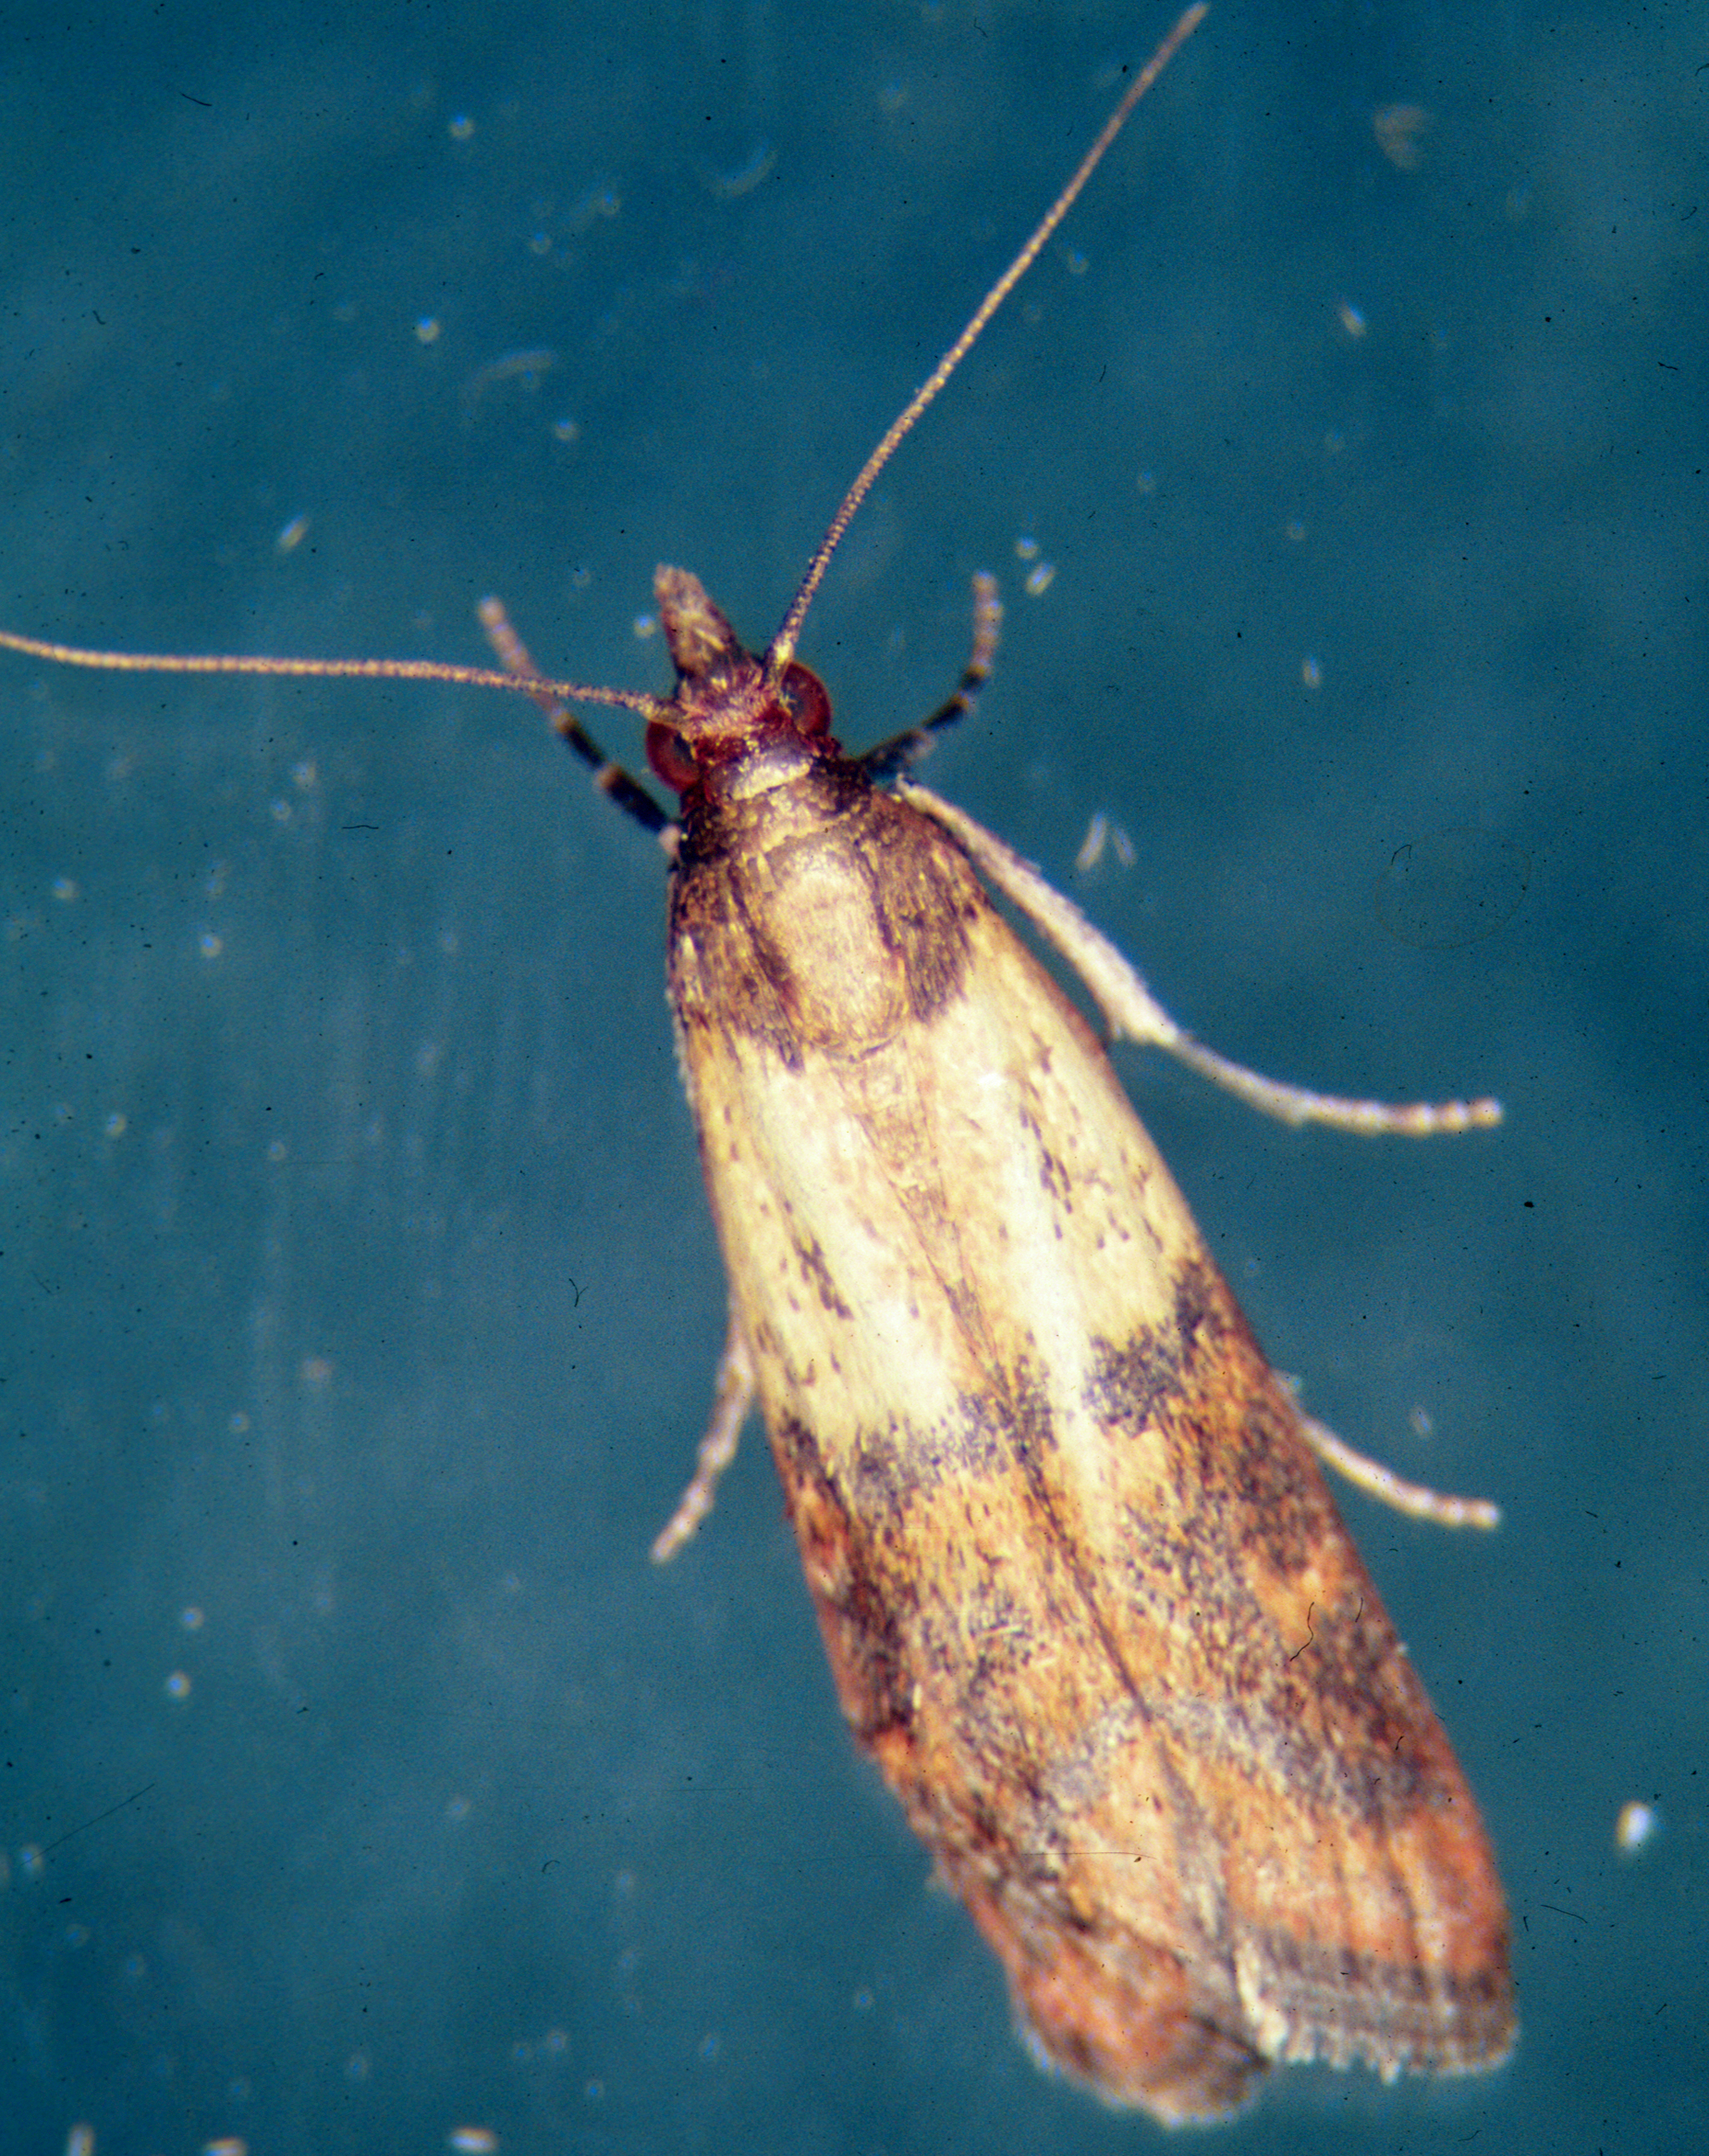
(1087, 1601)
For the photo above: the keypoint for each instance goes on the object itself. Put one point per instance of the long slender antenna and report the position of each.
(328, 669)
(783, 645)
(782, 649)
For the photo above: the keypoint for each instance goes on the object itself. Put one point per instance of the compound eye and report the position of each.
(669, 756)
(805, 698)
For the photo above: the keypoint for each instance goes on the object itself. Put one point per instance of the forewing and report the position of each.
(1085, 1595)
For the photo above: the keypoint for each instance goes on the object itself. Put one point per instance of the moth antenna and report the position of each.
(782, 649)
(325, 670)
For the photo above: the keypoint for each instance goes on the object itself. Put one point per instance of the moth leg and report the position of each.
(902, 752)
(1390, 1489)
(1131, 1010)
(732, 1397)
(611, 778)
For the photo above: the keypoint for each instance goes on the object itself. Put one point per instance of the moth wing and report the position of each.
(1085, 1593)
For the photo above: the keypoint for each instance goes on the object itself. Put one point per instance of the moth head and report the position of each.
(726, 715)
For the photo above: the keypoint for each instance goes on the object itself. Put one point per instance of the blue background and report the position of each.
(358, 1290)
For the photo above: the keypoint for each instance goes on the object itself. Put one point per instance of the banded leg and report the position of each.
(1133, 1011)
(901, 752)
(1382, 1482)
(611, 778)
(732, 1397)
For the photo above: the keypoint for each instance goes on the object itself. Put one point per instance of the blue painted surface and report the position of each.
(359, 1300)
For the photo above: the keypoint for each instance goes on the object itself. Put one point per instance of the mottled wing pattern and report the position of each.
(1087, 1599)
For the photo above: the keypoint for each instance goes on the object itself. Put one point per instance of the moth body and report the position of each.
(1087, 1601)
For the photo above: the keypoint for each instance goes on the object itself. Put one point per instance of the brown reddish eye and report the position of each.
(668, 754)
(805, 698)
